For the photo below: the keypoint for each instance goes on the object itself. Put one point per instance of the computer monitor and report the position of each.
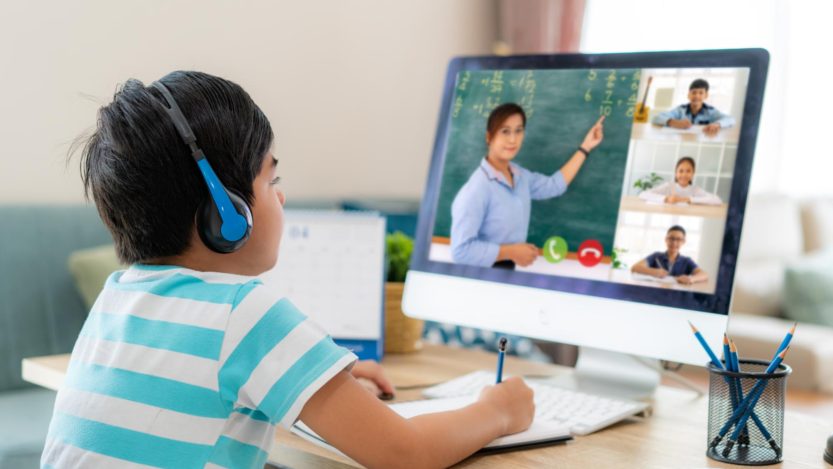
(644, 237)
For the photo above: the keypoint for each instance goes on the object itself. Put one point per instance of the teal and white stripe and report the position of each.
(177, 368)
(182, 367)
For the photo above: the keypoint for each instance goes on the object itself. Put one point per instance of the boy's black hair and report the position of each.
(140, 173)
(699, 83)
(676, 228)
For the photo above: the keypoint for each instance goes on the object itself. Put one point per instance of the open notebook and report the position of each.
(540, 432)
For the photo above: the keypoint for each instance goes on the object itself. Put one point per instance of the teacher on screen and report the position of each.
(490, 214)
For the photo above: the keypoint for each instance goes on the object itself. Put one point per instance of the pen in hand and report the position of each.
(501, 351)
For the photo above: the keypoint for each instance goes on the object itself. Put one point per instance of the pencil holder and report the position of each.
(746, 414)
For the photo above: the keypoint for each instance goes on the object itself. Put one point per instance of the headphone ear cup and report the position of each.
(209, 224)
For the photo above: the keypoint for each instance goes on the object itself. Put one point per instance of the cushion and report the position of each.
(758, 287)
(26, 414)
(90, 269)
(771, 228)
(817, 216)
(808, 289)
(811, 351)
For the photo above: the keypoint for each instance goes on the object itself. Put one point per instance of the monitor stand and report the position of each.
(612, 374)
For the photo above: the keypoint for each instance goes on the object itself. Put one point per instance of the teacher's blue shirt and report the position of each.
(488, 211)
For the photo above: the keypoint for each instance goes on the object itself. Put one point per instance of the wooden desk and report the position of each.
(632, 203)
(695, 134)
(625, 276)
(674, 437)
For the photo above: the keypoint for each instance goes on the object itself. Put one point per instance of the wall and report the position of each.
(368, 134)
(609, 27)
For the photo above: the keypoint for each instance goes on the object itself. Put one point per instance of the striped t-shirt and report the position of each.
(178, 368)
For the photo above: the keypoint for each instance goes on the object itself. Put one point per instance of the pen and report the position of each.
(501, 351)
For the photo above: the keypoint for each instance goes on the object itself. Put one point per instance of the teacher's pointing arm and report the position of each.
(591, 140)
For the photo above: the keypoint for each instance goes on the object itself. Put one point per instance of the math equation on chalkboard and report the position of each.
(606, 91)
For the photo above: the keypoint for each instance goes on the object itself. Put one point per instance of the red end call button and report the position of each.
(590, 253)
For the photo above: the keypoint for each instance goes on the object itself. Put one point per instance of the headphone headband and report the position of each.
(178, 118)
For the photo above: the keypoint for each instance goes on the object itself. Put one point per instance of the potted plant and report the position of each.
(647, 182)
(616, 258)
(402, 334)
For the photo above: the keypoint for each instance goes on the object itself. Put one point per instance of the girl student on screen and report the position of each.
(490, 214)
(682, 190)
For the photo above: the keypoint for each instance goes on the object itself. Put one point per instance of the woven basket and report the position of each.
(402, 334)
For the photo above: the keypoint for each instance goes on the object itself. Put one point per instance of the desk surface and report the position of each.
(674, 437)
(694, 134)
(626, 276)
(632, 203)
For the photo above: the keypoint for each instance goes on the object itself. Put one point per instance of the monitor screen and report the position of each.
(611, 176)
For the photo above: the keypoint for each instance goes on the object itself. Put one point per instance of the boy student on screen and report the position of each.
(682, 190)
(696, 112)
(187, 359)
(671, 262)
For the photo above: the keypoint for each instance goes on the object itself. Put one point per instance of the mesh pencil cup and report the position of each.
(746, 413)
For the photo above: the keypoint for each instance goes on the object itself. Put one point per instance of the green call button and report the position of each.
(555, 249)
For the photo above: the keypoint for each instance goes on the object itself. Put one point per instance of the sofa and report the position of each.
(41, 313)
(783, 275)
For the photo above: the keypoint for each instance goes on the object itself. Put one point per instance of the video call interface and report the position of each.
(617, 175)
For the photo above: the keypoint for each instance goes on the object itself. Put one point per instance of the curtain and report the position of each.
(540, 26)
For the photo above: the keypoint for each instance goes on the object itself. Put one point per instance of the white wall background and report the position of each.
(352, 88)
(792, 154)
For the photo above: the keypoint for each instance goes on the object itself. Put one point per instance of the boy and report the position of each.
(696, 112)
(186, 359)
(671, 262)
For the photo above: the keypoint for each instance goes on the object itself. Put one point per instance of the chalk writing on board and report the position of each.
(482, 93)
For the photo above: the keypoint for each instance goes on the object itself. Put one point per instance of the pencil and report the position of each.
(787, 339)
(706, 347)
(742, 412)
(501, 351)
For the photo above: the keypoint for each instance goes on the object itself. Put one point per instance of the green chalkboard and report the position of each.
(561, 106)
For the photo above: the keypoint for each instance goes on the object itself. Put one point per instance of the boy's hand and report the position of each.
(594, 135)
(372, 376)
(685, 280)
(712, 129)
(679, 123)
(660, 273)
(512, 398)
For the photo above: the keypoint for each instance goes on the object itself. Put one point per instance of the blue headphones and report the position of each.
(225, 221)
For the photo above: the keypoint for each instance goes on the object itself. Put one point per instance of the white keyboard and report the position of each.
(582, 413)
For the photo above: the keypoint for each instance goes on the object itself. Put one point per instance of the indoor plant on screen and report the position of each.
(402, 334)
